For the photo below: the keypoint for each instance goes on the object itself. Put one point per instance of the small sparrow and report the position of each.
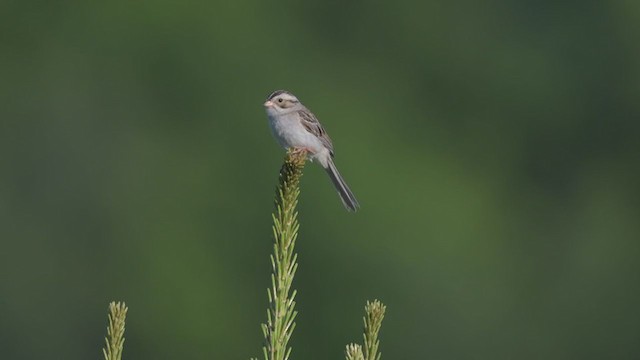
(294, 126)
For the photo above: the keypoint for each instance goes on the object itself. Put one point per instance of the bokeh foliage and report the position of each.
(493, 147)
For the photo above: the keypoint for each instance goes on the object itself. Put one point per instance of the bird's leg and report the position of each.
(303, 151)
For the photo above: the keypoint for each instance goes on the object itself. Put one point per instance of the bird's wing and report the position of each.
(311, 123)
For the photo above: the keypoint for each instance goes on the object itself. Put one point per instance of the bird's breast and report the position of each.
(290, 133)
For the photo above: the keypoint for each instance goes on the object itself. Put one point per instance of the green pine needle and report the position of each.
(115, 331)
(374, 313)
(354, 352)
(281, 314)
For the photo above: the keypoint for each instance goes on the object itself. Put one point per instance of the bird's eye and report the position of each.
(280, 100)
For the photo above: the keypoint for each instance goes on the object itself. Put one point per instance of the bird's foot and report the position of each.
(300, 152)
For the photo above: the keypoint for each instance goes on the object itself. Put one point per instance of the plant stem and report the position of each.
(281, 313)
(115, 331)
(374, 313)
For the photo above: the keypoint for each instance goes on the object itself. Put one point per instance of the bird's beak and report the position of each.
(268, 104)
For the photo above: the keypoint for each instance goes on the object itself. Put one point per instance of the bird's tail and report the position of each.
(347, 197)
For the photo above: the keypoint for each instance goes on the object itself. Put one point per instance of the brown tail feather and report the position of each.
(347, 197)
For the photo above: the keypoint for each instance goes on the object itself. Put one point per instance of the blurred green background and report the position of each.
(494, 147)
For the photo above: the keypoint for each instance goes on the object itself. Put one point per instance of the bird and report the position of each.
(294, 126)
